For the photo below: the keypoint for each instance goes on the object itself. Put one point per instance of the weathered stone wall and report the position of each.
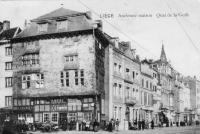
(52, 62)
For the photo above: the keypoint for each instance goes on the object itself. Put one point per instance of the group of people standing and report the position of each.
(142, 125)
(113, 125)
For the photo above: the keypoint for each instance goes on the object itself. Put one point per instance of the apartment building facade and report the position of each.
(166, 82)
(148, 86)
(122, 83)
(6, 81)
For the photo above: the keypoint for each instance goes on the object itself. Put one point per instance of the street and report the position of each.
(168, 130)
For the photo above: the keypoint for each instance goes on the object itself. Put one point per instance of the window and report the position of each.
(54, 117)
(9, 51)
(115, 89)
(8, 81)
(42, 27)
(8, 65)
(147, 84)
(76, 77)
(30, 59)
(120, 90)
(127, 70)
(46, 117)
(82, 73)
(127, 92)
(120, 113)
(36, 79)
(133, 74)
(142, 98)
(62, 24)
(115, 112)
(64, 79)
(71, 58)
(82, 77)
(8, 101)
(39, 81)
(26, 81)
(76, 73)
(145, 98)
(150, 85)
(142, 82)
(115, 67)
(120, 69)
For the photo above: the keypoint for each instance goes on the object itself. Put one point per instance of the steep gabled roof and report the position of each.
(76, 21)
(10, 33)
(57, 13)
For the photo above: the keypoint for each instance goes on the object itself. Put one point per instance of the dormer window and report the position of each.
(62, 24)
(42, 27)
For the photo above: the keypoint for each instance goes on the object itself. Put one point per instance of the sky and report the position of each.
(146, 23)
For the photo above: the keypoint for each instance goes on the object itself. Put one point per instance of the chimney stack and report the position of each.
(99, 24)
(6, 25)
(115, 40)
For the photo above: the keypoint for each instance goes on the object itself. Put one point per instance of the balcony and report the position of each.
(128, 79)
(130, 100)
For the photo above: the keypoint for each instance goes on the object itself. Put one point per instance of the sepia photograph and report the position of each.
(99, 66)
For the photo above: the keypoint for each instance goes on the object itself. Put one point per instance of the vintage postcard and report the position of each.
(86, 66)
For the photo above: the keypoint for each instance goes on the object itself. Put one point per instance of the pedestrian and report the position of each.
(110, 126)
(143, 124)
(139, 125)
(95, 126)
(87, 126)
(152, 124)
(117, 125)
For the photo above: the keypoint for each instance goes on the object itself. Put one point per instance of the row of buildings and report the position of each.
(63, 66)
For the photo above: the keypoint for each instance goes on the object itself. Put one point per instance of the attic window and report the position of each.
(42, 27)
(62, 24)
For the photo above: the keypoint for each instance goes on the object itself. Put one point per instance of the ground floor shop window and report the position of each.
(72, 116)
(21, 116)
(54, 117)
(88, 116)
(38, 117)
(46, 117)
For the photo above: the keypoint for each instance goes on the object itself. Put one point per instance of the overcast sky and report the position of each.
(180, 35)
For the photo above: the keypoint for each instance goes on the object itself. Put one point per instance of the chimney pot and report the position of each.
(6, 25)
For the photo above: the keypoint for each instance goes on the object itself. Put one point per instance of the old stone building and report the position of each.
(6, 72)
(58, 64)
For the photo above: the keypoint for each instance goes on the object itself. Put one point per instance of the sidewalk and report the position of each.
(163, 130)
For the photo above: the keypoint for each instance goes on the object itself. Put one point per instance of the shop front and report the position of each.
(59, 110)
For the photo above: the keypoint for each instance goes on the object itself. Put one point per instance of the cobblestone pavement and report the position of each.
(169, 130)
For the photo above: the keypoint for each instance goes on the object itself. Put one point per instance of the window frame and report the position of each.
(8, 51)
(8, 82)
(8, 65)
